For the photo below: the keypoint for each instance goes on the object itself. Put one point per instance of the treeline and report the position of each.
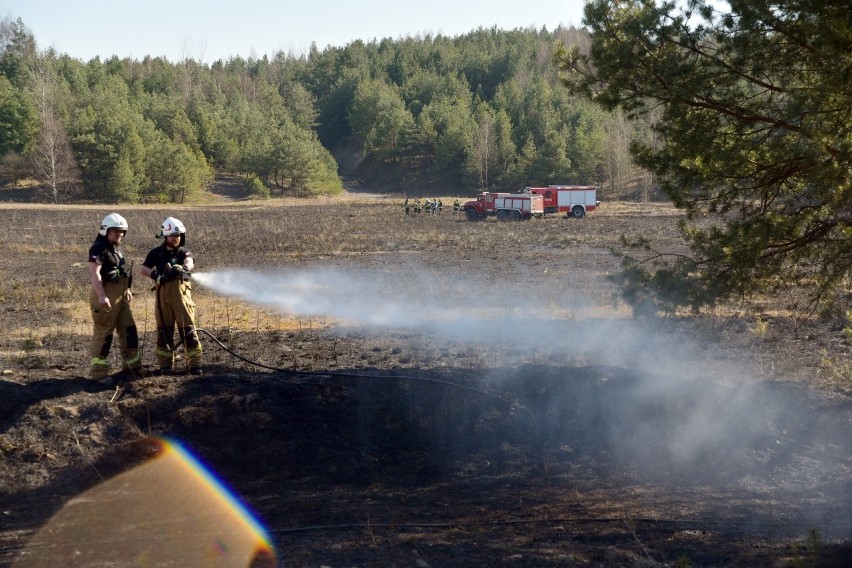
(480, 111)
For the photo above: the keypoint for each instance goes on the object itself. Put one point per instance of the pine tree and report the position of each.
(753, 127)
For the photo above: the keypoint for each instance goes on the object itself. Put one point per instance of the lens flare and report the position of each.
(170, 511)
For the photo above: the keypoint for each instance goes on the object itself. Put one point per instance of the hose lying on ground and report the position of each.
(314, 374)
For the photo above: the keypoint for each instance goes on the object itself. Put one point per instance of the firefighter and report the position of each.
(456, 206)
(406, 206)
(109, 301)
(170, 266)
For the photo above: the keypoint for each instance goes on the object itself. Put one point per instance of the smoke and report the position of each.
(654, 402)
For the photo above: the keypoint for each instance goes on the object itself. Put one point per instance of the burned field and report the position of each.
(506, 409)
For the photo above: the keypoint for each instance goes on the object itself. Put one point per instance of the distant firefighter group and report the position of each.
(429, 206)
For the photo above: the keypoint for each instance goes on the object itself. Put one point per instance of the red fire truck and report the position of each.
(504, 206)
(573, 200)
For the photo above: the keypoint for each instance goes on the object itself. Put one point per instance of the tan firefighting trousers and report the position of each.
(118, 318)
(175, 308)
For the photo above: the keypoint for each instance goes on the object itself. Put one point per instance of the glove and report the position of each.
(169, 274)
(178, 272)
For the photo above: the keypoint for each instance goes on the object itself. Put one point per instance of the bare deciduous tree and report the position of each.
(483, 148)
(52, 159)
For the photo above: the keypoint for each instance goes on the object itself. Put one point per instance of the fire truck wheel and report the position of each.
(515, 215)
(577, 212)
(471, 215)
(502, 215)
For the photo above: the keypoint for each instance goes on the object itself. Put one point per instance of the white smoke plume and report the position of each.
(663, 410)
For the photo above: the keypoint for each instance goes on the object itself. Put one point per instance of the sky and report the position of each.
(209, 30)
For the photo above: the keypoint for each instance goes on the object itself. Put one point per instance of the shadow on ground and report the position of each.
(533, 465)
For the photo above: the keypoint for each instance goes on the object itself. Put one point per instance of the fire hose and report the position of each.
(181, 340)
(312, 374)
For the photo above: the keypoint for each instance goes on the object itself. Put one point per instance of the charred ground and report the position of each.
(384, 447)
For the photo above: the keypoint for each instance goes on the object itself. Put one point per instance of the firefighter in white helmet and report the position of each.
(109, 301)
(170, 266)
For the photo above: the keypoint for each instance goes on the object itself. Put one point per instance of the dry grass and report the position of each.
(44, 287)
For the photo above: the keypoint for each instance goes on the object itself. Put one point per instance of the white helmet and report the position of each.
(173, 226)
(113, 221)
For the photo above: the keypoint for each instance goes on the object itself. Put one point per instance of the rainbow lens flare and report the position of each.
(169, 511)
